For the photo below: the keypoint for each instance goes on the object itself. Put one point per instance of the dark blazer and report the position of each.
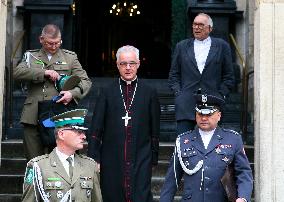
(185, 79)
(225, 147)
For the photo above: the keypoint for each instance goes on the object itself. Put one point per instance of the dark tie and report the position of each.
(69, 159)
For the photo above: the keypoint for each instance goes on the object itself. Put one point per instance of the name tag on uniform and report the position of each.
(60, 63)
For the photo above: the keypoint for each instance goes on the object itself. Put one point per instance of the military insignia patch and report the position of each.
(59, 194)
(225, 159)
(88, 193)
(29, 176)
(186, 141)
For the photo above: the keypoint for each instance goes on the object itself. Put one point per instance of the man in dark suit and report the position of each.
(202, 156)
(202, 62)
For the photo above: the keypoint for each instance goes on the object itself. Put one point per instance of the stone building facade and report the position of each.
(259, 35)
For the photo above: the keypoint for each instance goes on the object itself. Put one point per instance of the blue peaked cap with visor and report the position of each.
(208, 104)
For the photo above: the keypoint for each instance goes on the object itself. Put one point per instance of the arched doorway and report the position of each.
(100, 34)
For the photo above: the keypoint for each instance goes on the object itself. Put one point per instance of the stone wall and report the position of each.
(3, 17)
(269, 96)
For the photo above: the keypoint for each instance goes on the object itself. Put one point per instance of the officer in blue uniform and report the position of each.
(202, 156)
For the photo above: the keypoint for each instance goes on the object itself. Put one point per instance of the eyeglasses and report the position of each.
(131, 64)
(78, 131)
(198, 25)
(53, 44)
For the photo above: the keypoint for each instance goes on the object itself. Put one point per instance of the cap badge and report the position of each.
(204, 98)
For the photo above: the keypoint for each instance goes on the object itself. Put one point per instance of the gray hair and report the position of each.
(210, 21)
(126, 49)
(51, 31)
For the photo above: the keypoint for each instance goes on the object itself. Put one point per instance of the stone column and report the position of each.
(3, 17)
(269, 100)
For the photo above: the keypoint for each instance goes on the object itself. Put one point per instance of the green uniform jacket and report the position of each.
(84, 186)
(39, 88)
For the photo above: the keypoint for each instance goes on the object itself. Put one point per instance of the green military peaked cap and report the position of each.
(66, 82)
(74, 118)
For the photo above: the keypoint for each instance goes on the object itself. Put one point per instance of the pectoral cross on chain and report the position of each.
(126, 119)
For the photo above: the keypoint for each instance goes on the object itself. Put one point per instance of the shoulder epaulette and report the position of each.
(34, 50)
(185, 133)
(86, 157)
(69, 52)
(38, 158)
(231, 131)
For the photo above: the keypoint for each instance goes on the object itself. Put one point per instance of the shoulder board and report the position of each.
(69, 52)
(231, 131)
(86, 157)
(185, 133)
(38, 158)
(34, 50)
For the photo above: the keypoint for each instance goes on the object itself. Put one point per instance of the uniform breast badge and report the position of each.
(186, 141)
(48, 195)
(60, 63)
(225, 159)
(83, 184)
(218, 150)
(48, 184)
(59, 194)
(88, 192)
(58, 184)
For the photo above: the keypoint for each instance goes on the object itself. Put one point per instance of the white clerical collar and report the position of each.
(205, 41)
(128, 82)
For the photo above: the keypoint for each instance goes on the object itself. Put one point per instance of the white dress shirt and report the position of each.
(49, 56)
(201, 50)
(206, 136)
(62, 157)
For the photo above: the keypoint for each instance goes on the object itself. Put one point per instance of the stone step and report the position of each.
(10, 166)
(157, 184)
(12, 148)
(11, 184)
(161, 169)
(157, 198)
(166, 150)
(10, 197)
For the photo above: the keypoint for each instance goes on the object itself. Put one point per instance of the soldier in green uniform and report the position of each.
(64, 175)
(41, 69)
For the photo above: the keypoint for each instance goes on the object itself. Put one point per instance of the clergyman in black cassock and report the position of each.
(124, 138)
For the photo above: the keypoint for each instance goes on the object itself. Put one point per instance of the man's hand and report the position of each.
(66, 97)
(99, 167)
(52, 75)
